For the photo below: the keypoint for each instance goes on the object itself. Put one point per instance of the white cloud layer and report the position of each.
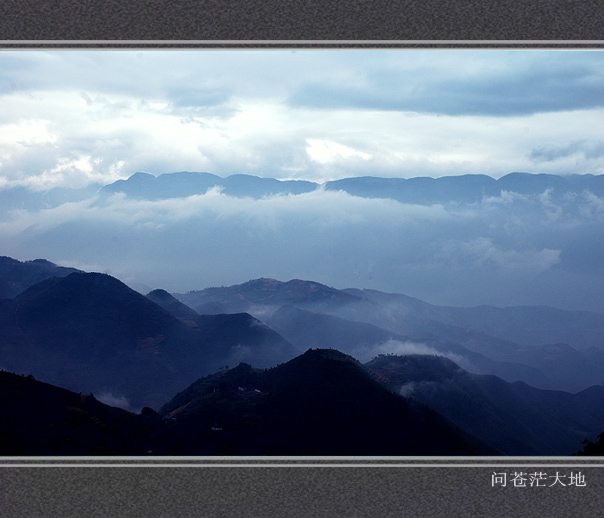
(74, 117)
(504, 251)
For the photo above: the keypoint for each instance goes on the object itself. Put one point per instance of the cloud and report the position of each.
(240, 353)
(75, 119)
(589, 149)
(118, 401)
(500, 83)
(325, 151)
(538, 248)
(483, 253)
(288, 234)
(315, 115)
(407, 389)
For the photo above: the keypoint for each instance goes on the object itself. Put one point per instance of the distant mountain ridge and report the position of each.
(183, 184)
(465, 188)
(418, 190)
(533, 325)
(362, 340)
(473, 333)
(468, 188)
(263, 292)
(16, 276)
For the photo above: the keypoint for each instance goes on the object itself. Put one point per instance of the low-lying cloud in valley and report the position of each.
(506, 250)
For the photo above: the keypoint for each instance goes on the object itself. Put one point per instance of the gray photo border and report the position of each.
(300, 486)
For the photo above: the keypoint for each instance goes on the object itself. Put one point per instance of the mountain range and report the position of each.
(545, 347)
(321, 403)
(225, 368)
(468, 240)
(513, 417)
(423, 190)
(90, 332)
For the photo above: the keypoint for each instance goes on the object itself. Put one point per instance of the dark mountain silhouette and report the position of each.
(90, 332)
(320, 403)
(183, 184)
(17, 276)
(513, 417)
(245, 338)
(592, 448)
(41, 419)
(181, 311)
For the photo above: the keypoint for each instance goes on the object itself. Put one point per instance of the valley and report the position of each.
(286, 368)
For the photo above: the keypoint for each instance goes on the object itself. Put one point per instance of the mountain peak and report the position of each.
(328, 354)
(160, 294)
(17, 276)
(265, 292)
(165, 300)
(416, 367)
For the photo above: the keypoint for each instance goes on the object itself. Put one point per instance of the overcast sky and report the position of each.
(71, 117)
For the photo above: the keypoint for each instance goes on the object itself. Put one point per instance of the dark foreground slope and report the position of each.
(41, 419)
(320, 403)
(514, 417)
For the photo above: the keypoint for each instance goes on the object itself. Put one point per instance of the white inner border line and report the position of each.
(303, 42)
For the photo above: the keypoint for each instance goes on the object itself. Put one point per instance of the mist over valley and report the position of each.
(466, 241)
(301, 251)
(259, 368)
